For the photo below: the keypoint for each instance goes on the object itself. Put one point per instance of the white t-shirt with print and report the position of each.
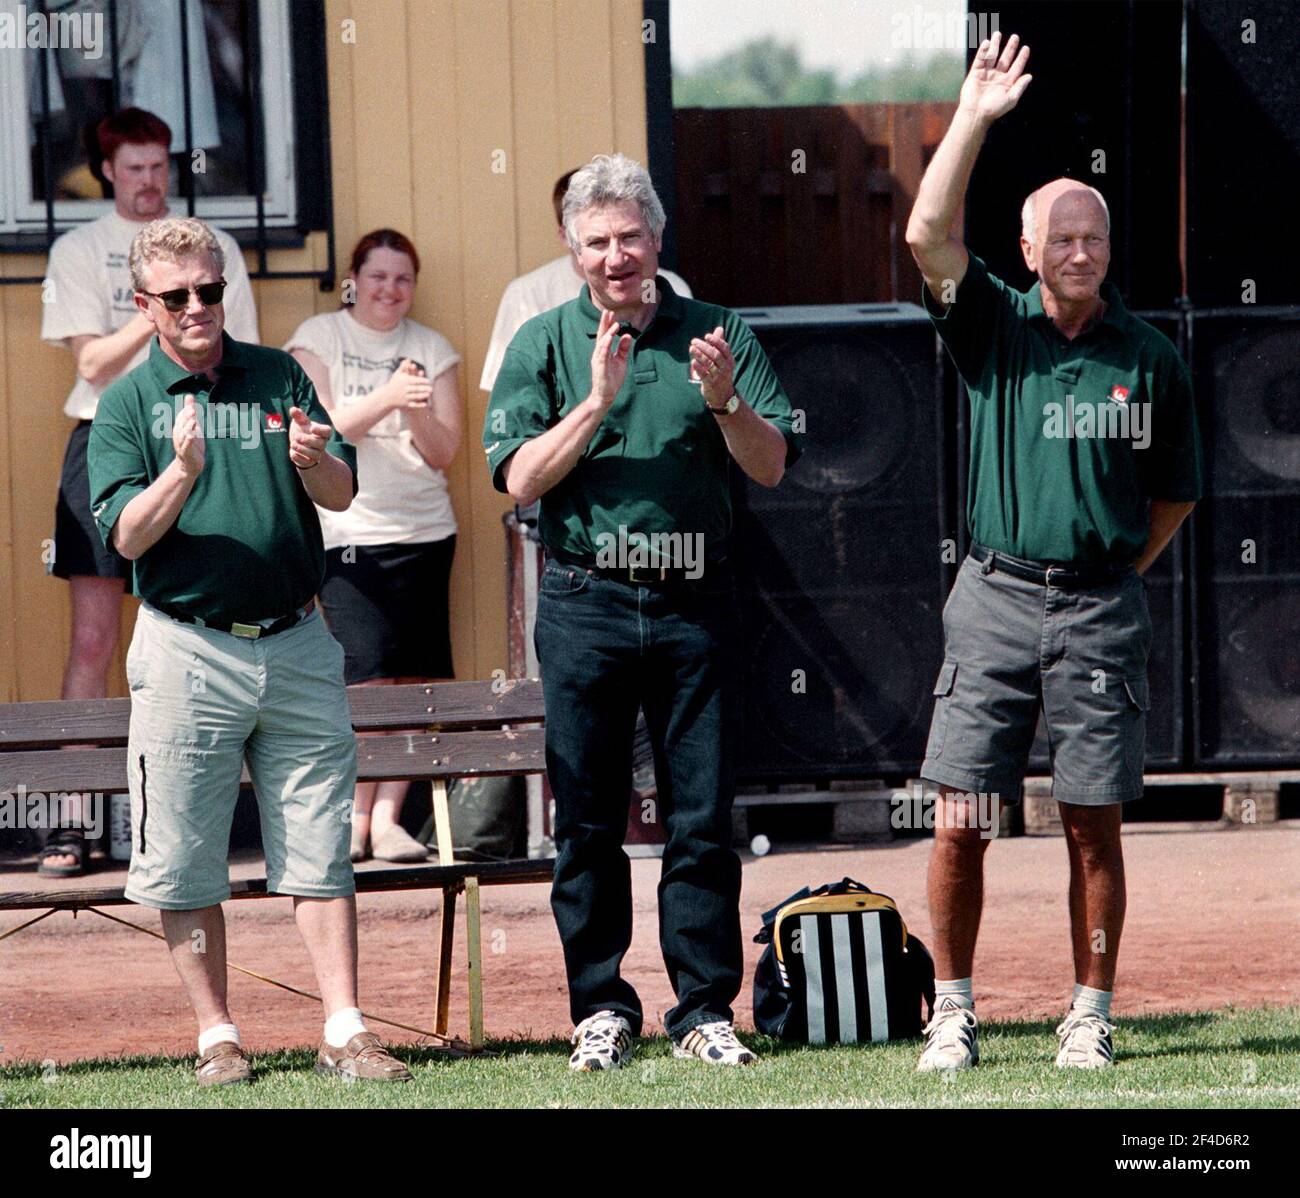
(92, 295)
(532, 294)
(400, 498)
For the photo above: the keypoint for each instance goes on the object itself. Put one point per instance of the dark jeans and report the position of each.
(606, 648)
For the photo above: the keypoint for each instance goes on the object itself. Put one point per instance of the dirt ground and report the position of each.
(1213, 921)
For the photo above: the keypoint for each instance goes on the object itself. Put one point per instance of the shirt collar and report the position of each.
(170, 375)
(1116, 315)
(671, 307)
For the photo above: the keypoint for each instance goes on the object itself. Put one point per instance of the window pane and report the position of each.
(149, 75)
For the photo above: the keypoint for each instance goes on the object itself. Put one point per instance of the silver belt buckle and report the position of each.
(248, 631)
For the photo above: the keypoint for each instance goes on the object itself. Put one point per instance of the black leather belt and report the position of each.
(1063, 576)
(637, 575)
(250, 632)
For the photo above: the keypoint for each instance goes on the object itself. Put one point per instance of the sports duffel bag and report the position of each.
(840, 968)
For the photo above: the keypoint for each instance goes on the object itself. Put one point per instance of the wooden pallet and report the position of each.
(1248, 797)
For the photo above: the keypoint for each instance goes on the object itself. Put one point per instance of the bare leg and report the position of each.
(329, 930)
(1097, 892)
(197, 942)
(956, 886)
(96, 620)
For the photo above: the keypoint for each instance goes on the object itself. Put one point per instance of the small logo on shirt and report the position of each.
(274, 422)
(1118, 394)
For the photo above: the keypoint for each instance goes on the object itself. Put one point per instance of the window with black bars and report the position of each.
(241, 83)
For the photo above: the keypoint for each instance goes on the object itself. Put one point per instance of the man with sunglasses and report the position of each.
(90, 311)
(206, 463)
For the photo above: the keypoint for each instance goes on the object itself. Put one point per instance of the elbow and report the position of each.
(922, 237)
(124, 547)
(95, 376)
(524, 496)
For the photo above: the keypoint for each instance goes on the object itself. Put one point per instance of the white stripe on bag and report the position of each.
(810, 950)
(875, 953)
(844, 979)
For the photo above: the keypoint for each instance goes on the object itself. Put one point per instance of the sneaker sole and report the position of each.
(685, 1054)
(334, 1071)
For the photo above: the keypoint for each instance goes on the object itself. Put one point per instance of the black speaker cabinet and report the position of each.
(1247, 541)
(1120, 136)
(1166, 587)
(841, 568)
(1243, 150)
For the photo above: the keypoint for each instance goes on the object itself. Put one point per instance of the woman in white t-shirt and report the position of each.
(389, 385)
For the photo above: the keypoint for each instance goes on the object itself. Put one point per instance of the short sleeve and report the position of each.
(117, 465)
(522, 404)
(504, 328)
(241, 308)
(77, 302)
(318, 336)
(442, 355)
(969, 326)
(756, 383)
(305, 397)
(1170, 467)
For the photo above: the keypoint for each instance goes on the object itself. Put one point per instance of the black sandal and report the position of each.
(63, 842)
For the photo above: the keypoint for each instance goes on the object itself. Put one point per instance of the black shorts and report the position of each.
(78, 550)
(389, 609)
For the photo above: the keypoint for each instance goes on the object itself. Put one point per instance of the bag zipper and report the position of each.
(835, 904)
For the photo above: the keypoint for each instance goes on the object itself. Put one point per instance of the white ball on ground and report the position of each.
(760, 846)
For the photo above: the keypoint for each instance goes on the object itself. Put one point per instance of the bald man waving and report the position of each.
(1084, 461)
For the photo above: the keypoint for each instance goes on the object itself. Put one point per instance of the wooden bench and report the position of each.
(467, 729)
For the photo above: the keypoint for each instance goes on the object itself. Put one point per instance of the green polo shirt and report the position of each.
(247, 543)
(1059, 471)
(658, 462)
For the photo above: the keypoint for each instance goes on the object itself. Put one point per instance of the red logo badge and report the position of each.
(1119, 394)
(274, 422)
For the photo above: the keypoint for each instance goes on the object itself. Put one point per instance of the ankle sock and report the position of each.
(1095, 1002)
(956, 988)
(217, 1034)
(342, 1026)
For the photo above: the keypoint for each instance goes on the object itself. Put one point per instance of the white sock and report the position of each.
(217, 1034)
(342, 1026)
(956, 988)
(1096, 1002)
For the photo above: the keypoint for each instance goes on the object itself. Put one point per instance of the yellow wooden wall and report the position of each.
(426, 98)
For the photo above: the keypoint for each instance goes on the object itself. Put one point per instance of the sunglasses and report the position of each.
(177, 301)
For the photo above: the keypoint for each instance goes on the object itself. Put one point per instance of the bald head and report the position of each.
(1040, 204)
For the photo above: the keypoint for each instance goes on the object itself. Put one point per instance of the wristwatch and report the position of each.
(727, 408)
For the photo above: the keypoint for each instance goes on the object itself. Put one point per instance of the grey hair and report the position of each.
(172, 238)
(1028, 215)
(611, 179)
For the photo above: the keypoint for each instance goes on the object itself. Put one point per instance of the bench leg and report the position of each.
(447, 943)
(474, 945)
(442, 823)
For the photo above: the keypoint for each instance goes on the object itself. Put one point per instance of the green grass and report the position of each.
(1214, 1059)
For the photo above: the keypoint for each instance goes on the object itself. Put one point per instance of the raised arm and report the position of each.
(992, 88)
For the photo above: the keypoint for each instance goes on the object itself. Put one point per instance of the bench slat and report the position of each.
(456, 705)
(388, 756)
(414, 877)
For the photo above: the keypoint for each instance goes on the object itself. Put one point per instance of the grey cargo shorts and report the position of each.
(1013, 647)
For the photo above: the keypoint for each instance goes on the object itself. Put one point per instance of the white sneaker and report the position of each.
(715, 1043)
(1085, 1041)
(604, 1041)
(951, 1038)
